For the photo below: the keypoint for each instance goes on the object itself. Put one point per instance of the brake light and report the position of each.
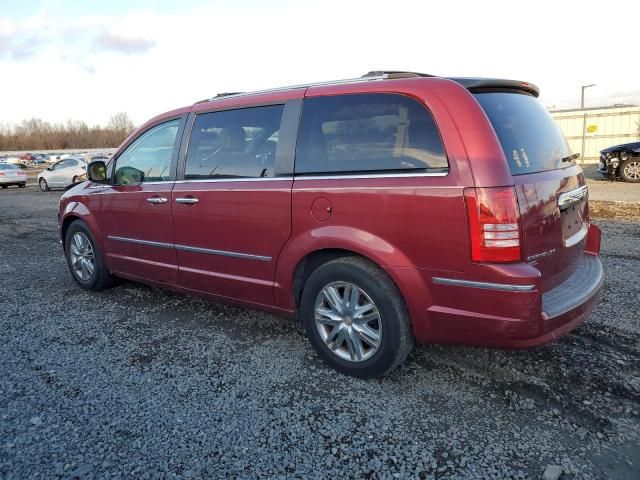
(494, 224)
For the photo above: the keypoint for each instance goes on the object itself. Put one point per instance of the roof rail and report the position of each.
(368, 77)
(395, 74)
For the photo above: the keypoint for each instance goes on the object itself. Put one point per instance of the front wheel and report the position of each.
(84, 258)
(42, 183)
(355, 318)
(630, 170)
(22, 185)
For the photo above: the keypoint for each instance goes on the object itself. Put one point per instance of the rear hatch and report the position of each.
(550, 187)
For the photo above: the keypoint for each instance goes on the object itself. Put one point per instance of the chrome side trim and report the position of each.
(485, 285)
(568, 198)
(140, 242)
(187, 248)
(372, 175)
(223, 253)
(245, 179)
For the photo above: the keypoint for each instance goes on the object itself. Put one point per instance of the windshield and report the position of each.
(531, 140)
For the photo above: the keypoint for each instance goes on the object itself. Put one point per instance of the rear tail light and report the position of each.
(494, 224)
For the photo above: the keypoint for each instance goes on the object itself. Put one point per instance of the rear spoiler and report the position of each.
(476, 85)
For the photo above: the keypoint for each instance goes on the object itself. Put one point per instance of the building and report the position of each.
(603, 127)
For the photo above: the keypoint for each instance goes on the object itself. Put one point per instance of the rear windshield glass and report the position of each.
(531, 140)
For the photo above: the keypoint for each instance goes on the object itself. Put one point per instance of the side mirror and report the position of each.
(97, 171)
(50, 168)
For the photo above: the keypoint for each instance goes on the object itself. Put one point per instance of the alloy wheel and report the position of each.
(348, 321)
(632, 170)
(81, 256)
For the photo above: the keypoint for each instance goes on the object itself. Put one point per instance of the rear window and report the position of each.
(367, 133)
(531, 140)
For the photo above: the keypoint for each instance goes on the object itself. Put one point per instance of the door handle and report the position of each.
(156, 200)
(187, 200)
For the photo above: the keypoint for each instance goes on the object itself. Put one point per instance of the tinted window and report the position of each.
(8, 166)
(367, 133)
(148, 158)
(531, 140)
(70, 163)
(234, 143)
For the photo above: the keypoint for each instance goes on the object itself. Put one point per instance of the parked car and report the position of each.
(12, 175)
(26, 157)
(621, 161)
(62, 174)
(378, 211)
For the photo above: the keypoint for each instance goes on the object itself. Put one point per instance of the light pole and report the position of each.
(584, 120)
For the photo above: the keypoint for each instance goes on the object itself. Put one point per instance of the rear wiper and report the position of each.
(575, 156)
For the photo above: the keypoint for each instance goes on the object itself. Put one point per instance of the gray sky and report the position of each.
(89, 59)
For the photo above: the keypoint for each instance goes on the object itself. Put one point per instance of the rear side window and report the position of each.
(234, 143)
(367, 133)
(531, 140)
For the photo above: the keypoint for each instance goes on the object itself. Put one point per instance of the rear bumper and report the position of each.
(494, 315)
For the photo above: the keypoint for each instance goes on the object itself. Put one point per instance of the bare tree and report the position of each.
(36, 134)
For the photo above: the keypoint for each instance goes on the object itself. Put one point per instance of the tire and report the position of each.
(22, 185)
(75, 180)
(392, 325)
(42, 183)
(99, 277)
(4, 186)
(630, 170)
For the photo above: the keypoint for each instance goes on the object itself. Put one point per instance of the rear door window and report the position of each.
(367, 133)
(234, 143)
(531, 140)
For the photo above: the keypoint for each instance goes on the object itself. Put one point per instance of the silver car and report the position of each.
(12, 175)
(63, 173)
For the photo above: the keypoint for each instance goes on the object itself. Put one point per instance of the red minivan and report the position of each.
(379, 211)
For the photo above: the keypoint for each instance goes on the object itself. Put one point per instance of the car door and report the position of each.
(232, 209)
(136, 207)
(54, 179)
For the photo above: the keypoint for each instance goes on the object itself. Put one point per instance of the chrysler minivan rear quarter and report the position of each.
(380, 211)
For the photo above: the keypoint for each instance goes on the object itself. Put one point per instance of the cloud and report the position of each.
(18, 49)
(124, 44)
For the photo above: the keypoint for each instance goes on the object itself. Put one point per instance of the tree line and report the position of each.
(36, 134)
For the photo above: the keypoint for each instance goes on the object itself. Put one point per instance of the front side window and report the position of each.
(368, 133)
(148, 158)
(234, 143)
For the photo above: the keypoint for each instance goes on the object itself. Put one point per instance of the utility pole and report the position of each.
(584, 121)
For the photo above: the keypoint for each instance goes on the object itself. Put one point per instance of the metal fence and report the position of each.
(598, 128)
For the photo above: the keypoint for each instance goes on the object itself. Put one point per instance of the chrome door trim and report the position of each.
(187, 200)
(156, 200)
(371, 175)
(243, 179)
(187, 248)
(224, 253)
(565, 200)
(485, 285)
(140, 242)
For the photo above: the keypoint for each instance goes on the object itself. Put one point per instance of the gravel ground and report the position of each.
(138, 382)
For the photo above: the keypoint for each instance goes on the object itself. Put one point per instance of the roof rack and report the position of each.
(367, 77)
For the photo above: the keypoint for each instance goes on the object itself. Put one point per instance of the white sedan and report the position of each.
(12, 175)
(62, 174)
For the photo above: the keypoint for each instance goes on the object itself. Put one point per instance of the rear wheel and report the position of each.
(22, 185)
(630, 170)
(355, 318)
(85, 259)
(42, 183)
(4, 186)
